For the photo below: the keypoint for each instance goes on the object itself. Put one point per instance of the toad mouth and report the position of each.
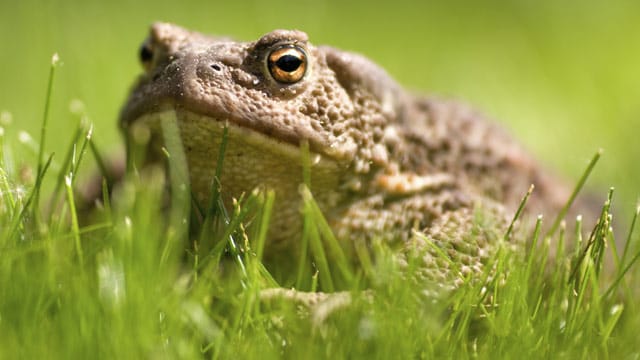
(255, 130)
(205, 133)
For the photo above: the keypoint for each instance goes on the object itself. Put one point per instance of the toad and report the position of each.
(385, 163)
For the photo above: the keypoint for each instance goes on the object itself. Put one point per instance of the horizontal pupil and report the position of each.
(289, 63)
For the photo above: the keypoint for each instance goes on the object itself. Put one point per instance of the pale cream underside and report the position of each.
(251, 161)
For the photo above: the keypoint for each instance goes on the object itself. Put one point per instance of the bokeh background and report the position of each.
(563, 76)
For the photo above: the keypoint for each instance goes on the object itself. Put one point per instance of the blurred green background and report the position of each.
(564, 76)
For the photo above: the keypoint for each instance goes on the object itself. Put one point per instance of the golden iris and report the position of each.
(287, 64)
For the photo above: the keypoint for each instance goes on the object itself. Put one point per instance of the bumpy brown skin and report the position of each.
(386, 163)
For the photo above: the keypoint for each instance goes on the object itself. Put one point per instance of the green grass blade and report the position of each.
(83, 149)
(179, 180)
(18, 220)
(317, 250)
(55, 60)
(627, 243)
(65, 167)
(97, 156)
(574, 194)
(302, 272)
(331, 243)
(516, 216)
(533, 250)
(74, 220)
(263, 226)
(216, 186)
(621, 274)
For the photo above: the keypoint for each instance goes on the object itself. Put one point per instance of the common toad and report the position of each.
(385, 163)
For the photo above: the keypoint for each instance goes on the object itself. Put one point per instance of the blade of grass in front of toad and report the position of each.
(74, 220)
(77, 160)
(54, 197)
(579, 185)
(516, 216)
(312, 236)
(55, 60)
(8, 194)
(260, 237)
(303, 271)
(596, 240)
(216, 206)
(605, 230)
(530, 259)
(99, 158)
(330, 242)
(585, 276)
(180, 184)
(627, 243)
(321, 238)
(216, 186)
(624, 269)
(21, 218)
(263, 224)
(234, 225)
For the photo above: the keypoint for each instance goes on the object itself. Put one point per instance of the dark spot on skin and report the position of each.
(216, 67)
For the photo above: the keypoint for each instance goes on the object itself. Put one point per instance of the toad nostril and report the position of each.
(216, 67)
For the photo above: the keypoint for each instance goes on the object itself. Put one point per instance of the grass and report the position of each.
(126, 286)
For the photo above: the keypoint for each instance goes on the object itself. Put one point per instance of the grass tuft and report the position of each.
(129, 285)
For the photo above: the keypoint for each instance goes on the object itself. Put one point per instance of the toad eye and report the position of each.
(146, 54)
(287, 64)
